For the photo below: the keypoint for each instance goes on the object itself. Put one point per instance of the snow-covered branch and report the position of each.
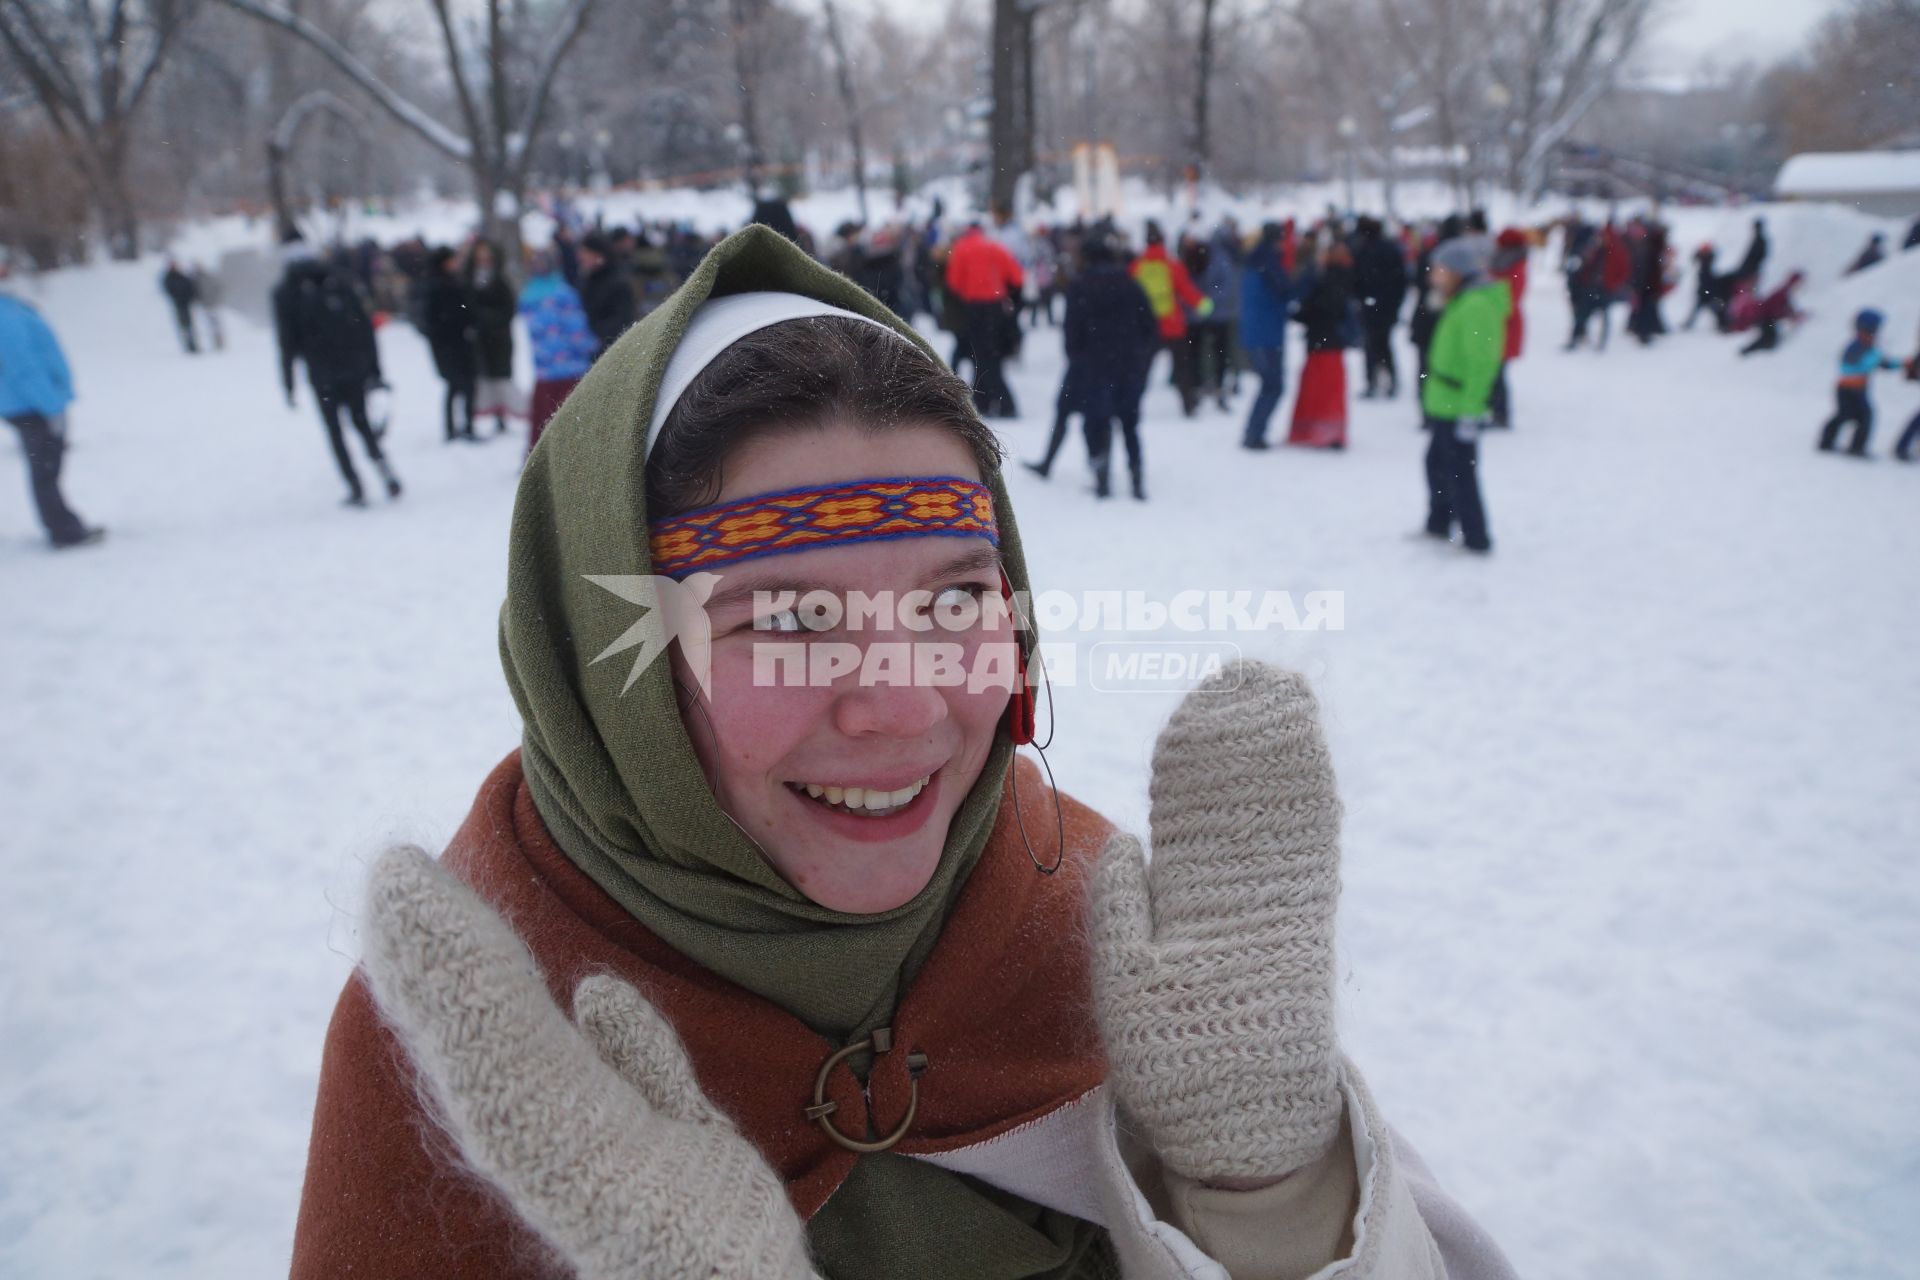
(456, 67)
(568, 30)
(407, 113)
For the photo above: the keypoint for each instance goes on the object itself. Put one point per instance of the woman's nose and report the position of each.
(902, 710)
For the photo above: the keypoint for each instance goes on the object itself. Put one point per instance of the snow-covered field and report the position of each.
(1633, 901)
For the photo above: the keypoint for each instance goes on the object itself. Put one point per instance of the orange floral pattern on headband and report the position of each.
(797, 519)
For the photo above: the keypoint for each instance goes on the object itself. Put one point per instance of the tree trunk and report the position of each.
(844, 75)
(746, 74)
(1202, 137)
(1012, 127)
(122, 224)
(118, 219)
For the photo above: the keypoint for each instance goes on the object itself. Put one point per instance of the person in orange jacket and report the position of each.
(987, 280)
(1172, 292)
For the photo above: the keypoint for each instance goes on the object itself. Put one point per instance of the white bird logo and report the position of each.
(675, 609)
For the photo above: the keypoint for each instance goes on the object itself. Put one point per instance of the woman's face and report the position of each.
(849, 775)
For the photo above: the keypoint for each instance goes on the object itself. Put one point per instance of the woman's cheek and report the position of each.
(758, 715)
(979, 703)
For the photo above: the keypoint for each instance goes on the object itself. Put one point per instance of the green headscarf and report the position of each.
(616, 780)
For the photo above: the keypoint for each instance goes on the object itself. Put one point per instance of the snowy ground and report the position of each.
(1630, 919)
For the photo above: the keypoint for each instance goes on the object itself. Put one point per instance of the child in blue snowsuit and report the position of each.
(1858, 363)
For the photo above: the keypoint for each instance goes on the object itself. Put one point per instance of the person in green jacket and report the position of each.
(1462, 363)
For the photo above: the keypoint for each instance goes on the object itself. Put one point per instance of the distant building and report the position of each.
(1880, 182)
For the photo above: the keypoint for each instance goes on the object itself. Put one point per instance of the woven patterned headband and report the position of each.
(771, 524)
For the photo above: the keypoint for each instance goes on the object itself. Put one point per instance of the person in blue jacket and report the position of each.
(35, 390)
(1858, 363)
(1267, 295)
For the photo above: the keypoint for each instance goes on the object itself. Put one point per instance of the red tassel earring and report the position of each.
(1021, 719)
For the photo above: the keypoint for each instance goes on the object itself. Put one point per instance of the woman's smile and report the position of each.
(851, 812)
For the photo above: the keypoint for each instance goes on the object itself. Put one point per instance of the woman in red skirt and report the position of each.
(1320, 411)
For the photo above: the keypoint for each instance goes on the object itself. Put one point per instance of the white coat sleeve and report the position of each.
(1369, 1210)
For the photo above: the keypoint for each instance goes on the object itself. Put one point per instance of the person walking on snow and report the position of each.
(451, 331)
(211, 292)
(1462, 363)
(564, 346)
(1216, 338)
(1172, 292)
(749, 979)
(36, 387)
(1710, 290)
(1860, 360)
(1644, 320)
(1904, 450)
(606, 290)
(1268, 289)
(1583, 262)
(1326, 313)
(1616, 276)
(986, 279)
(319, 318)
(493, 309)
(1509, 266)
(1111, 336)
(182, 293)
(1380, 283)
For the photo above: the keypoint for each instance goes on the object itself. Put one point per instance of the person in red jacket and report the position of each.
(987, 280)
(1772, 311)
(1172, 292)
(1509, 264)
(1616, 270)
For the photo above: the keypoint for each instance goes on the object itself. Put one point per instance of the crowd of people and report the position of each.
(1217, 299)
(1218, 302)
(580, 293)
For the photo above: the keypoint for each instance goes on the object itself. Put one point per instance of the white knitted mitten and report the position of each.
(598, 1134)
(1213, 969)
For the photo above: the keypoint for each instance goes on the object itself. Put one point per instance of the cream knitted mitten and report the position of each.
(598, 1134)
(1213, 968)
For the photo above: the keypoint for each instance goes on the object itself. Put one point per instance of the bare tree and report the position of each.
(748, 16)
(90, 65)
(843, 76)
(1558, 58)
(1013, 98)
(1857, 85)
(1443, 43)
(285, 134)
(1202, 156)
(497, 136)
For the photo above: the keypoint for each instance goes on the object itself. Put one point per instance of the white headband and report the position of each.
(721, 322)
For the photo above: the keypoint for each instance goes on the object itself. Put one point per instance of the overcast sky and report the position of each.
(1733, 30)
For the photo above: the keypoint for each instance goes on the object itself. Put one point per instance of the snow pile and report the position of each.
(1628, 930)
(1849, 173)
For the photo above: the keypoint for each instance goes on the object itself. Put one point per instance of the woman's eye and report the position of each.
(956, 596)
(785, 620)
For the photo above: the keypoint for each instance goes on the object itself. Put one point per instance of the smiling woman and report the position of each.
(746, 965)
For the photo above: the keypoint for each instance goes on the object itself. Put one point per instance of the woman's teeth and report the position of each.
(868, 802)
